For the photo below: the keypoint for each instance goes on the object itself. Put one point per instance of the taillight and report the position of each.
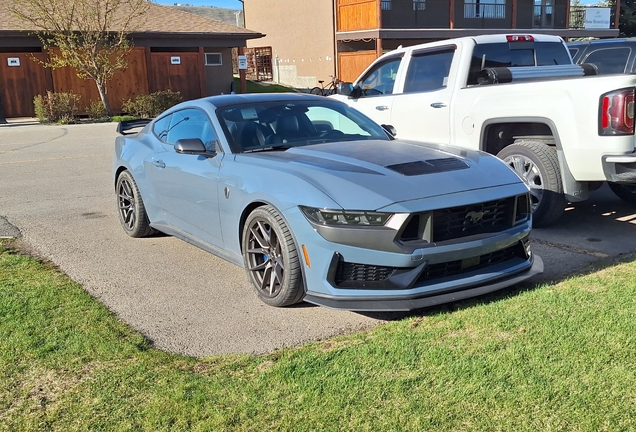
(520, 38)
(616, 115)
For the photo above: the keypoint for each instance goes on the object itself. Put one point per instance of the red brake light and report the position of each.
(617, 113)
(520, 38)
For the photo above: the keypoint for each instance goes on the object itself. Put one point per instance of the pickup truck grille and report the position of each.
(463, 221)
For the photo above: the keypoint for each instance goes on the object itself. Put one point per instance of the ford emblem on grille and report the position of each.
(474, 217)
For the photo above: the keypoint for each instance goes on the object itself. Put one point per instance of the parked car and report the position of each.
(561, 127)
(320, 203)
(610, 56)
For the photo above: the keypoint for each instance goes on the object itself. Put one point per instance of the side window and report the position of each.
(191, 123)
(161, 126)
(428, 71)
(381, 78)
(609, 60)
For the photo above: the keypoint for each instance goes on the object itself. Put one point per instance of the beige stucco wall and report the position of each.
(301, 38)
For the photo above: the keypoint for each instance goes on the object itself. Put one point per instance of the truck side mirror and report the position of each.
(344, 88)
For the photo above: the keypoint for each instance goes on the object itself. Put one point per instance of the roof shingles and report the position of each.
(158, 19)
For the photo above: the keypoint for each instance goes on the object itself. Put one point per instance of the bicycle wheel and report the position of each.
(316, 91)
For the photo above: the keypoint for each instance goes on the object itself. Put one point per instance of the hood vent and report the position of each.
(430, 166)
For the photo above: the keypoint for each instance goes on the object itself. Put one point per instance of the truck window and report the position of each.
(381, 78)
(428, 71)
(609, 60)
(501, 55)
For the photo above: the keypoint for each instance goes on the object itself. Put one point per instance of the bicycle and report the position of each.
(327, 90)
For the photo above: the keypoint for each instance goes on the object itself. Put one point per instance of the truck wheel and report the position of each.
(626, 192)
(538, 166)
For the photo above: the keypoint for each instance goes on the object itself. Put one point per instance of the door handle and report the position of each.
(159, 163)
(438, 105)
(382, 107)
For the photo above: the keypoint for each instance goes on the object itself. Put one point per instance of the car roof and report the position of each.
(221, 101)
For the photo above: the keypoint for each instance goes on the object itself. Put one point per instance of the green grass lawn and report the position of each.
(554, 358)
(256, 87)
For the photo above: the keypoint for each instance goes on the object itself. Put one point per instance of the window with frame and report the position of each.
(381, 79)
(419, 5)
(609, 60)
(385, 5)
(491, 9)
(191, 123)
(428, 71)
(213, 59)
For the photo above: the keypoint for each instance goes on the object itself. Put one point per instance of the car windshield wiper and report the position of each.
(270, 148)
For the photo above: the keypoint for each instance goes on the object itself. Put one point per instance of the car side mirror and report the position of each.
(344, 88)
(390, 130)
(190, 146)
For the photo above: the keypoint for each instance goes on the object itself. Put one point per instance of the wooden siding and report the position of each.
(357, 15)
(184, 77)
(20, 84)
(124, 85)
(352, 64)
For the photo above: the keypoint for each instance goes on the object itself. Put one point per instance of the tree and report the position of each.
(88, 35)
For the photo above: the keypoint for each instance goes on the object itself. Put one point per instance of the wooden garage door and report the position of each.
(21, 82)
(177, 71)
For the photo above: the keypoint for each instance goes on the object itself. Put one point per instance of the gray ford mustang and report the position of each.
(318, 203)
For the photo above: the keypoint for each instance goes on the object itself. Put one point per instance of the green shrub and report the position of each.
(151, 105)
(56, 107)
(96, 111)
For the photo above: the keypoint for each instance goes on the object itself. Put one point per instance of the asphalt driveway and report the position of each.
(56, 192)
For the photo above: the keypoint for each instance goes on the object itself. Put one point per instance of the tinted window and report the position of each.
(428, 71)
(161, 126)
(381, 78)
(191, 123)
(523, 54)
(609, 60)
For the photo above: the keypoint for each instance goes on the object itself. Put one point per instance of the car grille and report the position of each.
(362, 276)
(463, 221)
(454, 268)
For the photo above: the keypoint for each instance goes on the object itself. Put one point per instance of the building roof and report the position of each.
(157, 19)
(228, 16)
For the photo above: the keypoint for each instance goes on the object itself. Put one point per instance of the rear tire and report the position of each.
(316, 91)
(271, 258)
(538, 166)
(131, 209)
(626, 192)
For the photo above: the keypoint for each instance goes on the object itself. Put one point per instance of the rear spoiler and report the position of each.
(124, 126)
(500, 75)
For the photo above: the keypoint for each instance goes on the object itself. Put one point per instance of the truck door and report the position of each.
(422, 110)
(376, 90)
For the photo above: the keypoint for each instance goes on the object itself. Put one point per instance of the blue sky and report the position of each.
(229, 4)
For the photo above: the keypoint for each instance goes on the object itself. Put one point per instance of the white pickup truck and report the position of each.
(560, 126)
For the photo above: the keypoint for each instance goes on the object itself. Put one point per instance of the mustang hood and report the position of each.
(374, 174)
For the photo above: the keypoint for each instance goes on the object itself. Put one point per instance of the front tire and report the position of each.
(271, 258)
(132, 212)
(538, 166)
(626, 192)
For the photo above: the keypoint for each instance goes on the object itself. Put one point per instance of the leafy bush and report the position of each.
(121, 118)
(56, 107)
(97, 111)
(153, 104)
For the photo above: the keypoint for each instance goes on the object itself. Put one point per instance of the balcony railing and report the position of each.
(484, 10)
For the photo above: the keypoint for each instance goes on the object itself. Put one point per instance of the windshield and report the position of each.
(283, 124)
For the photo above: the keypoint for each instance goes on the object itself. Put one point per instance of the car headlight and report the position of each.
(345, 217)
